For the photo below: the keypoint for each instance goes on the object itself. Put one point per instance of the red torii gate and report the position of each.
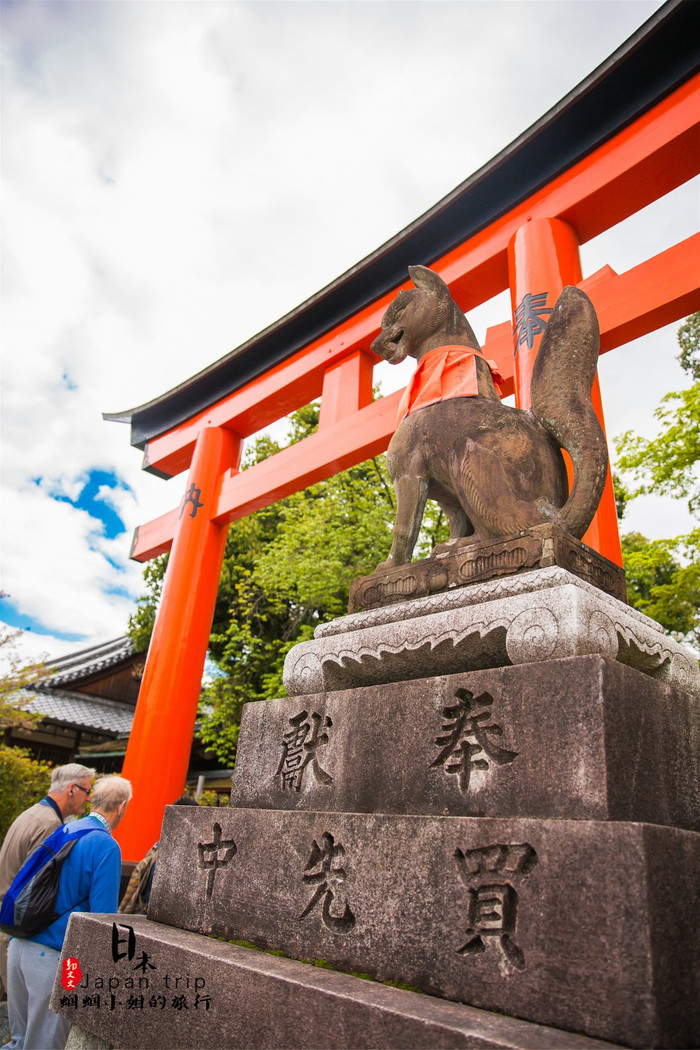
(624, 138)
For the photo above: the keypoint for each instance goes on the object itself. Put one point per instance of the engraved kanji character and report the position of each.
(202, 1000)
(180, 1002)
(299, 744)
(134, 1002)
(529, 318)
(214, 855)
(191, 496)
(492, 912)
(492, 906)
(323, 872)
(466, 735)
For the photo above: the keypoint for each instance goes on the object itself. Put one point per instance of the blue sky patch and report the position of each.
(10, 616)
(89, 500)
(118, 592)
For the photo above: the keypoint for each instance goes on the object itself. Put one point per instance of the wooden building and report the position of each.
(87, 706)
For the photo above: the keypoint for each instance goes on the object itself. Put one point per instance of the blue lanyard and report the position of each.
(48, 801)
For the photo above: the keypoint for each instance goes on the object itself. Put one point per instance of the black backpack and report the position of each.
(29, 904)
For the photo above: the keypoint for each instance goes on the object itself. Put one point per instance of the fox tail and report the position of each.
(561, 401)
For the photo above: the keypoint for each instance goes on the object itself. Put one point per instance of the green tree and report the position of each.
(689, 342)
(663, 581)
(663, 576)
(14, 680)
(141, 622)
(666, 464)
(23, 781)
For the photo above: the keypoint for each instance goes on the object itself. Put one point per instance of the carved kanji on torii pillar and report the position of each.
(513, 225)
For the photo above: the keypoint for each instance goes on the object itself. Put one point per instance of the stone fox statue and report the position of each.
(494, 470)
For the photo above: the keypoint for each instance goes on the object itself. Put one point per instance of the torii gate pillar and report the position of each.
(161, 737)
(543, 257)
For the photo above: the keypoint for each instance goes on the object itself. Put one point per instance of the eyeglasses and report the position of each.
(88, 791)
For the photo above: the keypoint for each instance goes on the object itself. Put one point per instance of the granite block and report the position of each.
(253, 1000)
(583, 925)
(465, 562)
(584, 738)
(542, 615)
(80, 1039)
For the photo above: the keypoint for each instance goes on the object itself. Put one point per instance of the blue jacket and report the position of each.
(89, 880)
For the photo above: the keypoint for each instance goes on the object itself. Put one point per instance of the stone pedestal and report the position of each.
(464, 562)
(584, 739)
(542, 615)
(490, 797)
(573, 924)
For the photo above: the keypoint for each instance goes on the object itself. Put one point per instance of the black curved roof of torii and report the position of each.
(658, 58)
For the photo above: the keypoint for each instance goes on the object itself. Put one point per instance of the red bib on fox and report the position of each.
(446, 371)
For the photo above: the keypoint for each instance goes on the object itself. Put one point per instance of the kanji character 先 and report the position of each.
(323, 872)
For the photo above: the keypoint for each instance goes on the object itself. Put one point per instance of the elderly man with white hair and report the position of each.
(89, 882)
(69, 791)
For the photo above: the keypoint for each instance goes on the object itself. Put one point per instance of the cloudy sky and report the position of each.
(178, 175)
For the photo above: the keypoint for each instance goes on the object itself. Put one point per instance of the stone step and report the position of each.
(547, 614)
(583, 925)
(584, 738)
(231, 997)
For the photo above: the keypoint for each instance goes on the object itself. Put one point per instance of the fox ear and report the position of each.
(428, 281)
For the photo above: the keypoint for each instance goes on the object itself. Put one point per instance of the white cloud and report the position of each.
(64, 549)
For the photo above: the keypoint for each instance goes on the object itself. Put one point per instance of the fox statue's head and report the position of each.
(421, 319)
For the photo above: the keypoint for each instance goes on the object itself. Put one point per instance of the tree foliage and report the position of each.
(663, 581)
(23, 781)
(667, 464)
(16, 676)
(663, 576)
(689, 342)
(141, 622)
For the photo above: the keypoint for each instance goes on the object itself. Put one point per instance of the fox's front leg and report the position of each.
(411, 494)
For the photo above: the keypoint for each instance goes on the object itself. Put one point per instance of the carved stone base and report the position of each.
(466, 562)
(583, 925)
(542, 615)
(254, 1001)
(584, 738)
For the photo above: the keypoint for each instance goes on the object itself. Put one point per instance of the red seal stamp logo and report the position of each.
(71, 973)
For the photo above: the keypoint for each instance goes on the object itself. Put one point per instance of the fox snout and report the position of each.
(388, 344)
